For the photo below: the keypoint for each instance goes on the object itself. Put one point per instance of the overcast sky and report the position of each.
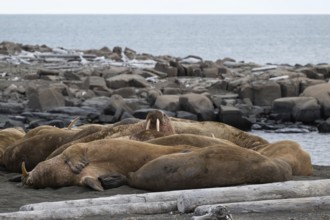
(165, 7)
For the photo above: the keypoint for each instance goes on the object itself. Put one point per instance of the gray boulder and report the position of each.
(126, 80)
(324, 127)
(234, 117)
(168, 103)
(261, 93)
(303, 109)
(322, 93)
(45, 99)
(199, 105)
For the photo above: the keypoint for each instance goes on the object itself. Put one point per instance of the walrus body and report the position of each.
(189, 139)
(214, 166)
(292, 153)
(39, 143)
(8, 137)
(218, 130)
(103, 162)
(35, 148)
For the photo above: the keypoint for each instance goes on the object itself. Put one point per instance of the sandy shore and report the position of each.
(14, 195)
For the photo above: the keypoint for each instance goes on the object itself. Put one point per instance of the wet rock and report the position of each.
(304, 109)
(322, 93)
(324, 127)
(75, 111)
(11, 108)
(186, 115)
(234, 117)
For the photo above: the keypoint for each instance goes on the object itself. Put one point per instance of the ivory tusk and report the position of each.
(158, 125)
(24, 172)
(148, 124)
(73, 123)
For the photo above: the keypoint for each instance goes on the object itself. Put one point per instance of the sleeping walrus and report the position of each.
(98, 164)
(8, 137)
(292, 153)
(214, 166)
(39, 143)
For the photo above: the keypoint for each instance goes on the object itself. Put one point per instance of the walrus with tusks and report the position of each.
(98, 164)
(156, 124)
(214, 166)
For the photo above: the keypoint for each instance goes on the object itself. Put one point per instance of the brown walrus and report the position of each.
(292, 153)
(38, 143)
(214, 166)
(156, 123)
(98, 164)
(189, 139)
(8, 137)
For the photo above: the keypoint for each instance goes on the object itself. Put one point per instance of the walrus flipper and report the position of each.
(92, 183)
(112, 181)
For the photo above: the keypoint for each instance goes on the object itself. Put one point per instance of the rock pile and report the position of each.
(42, 85)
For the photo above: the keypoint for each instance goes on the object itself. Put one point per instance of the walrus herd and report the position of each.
(157, 154)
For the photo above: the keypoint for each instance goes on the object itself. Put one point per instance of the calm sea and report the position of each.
(259, 38)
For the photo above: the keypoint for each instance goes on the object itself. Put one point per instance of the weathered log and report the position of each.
(117, 199)
(310, 204)
(188, 201)
(87, 211)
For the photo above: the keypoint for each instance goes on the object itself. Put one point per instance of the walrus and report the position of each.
(8, 137)
(292, 153)
(167, 125)
(156, 123)
(214, 166)
(99, 164)
(218, 130)
(39, 143)
(189, 139)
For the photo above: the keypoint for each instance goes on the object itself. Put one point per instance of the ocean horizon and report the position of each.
(276, 39)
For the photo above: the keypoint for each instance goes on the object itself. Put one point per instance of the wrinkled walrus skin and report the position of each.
(214, 166)
(39, 143)
(292, 153)
(88, 164)
(8, 137)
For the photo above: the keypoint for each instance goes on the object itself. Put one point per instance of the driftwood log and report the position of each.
(308, 195)
(88, 211)
(188, 201)
(309, 204)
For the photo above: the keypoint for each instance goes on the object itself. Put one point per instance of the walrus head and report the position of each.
(48, 173)
(159, 121)
(157, 124)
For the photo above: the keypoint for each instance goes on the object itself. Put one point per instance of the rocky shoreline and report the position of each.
(43, 85)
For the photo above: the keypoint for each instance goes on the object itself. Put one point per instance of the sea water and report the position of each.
(262, 39)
